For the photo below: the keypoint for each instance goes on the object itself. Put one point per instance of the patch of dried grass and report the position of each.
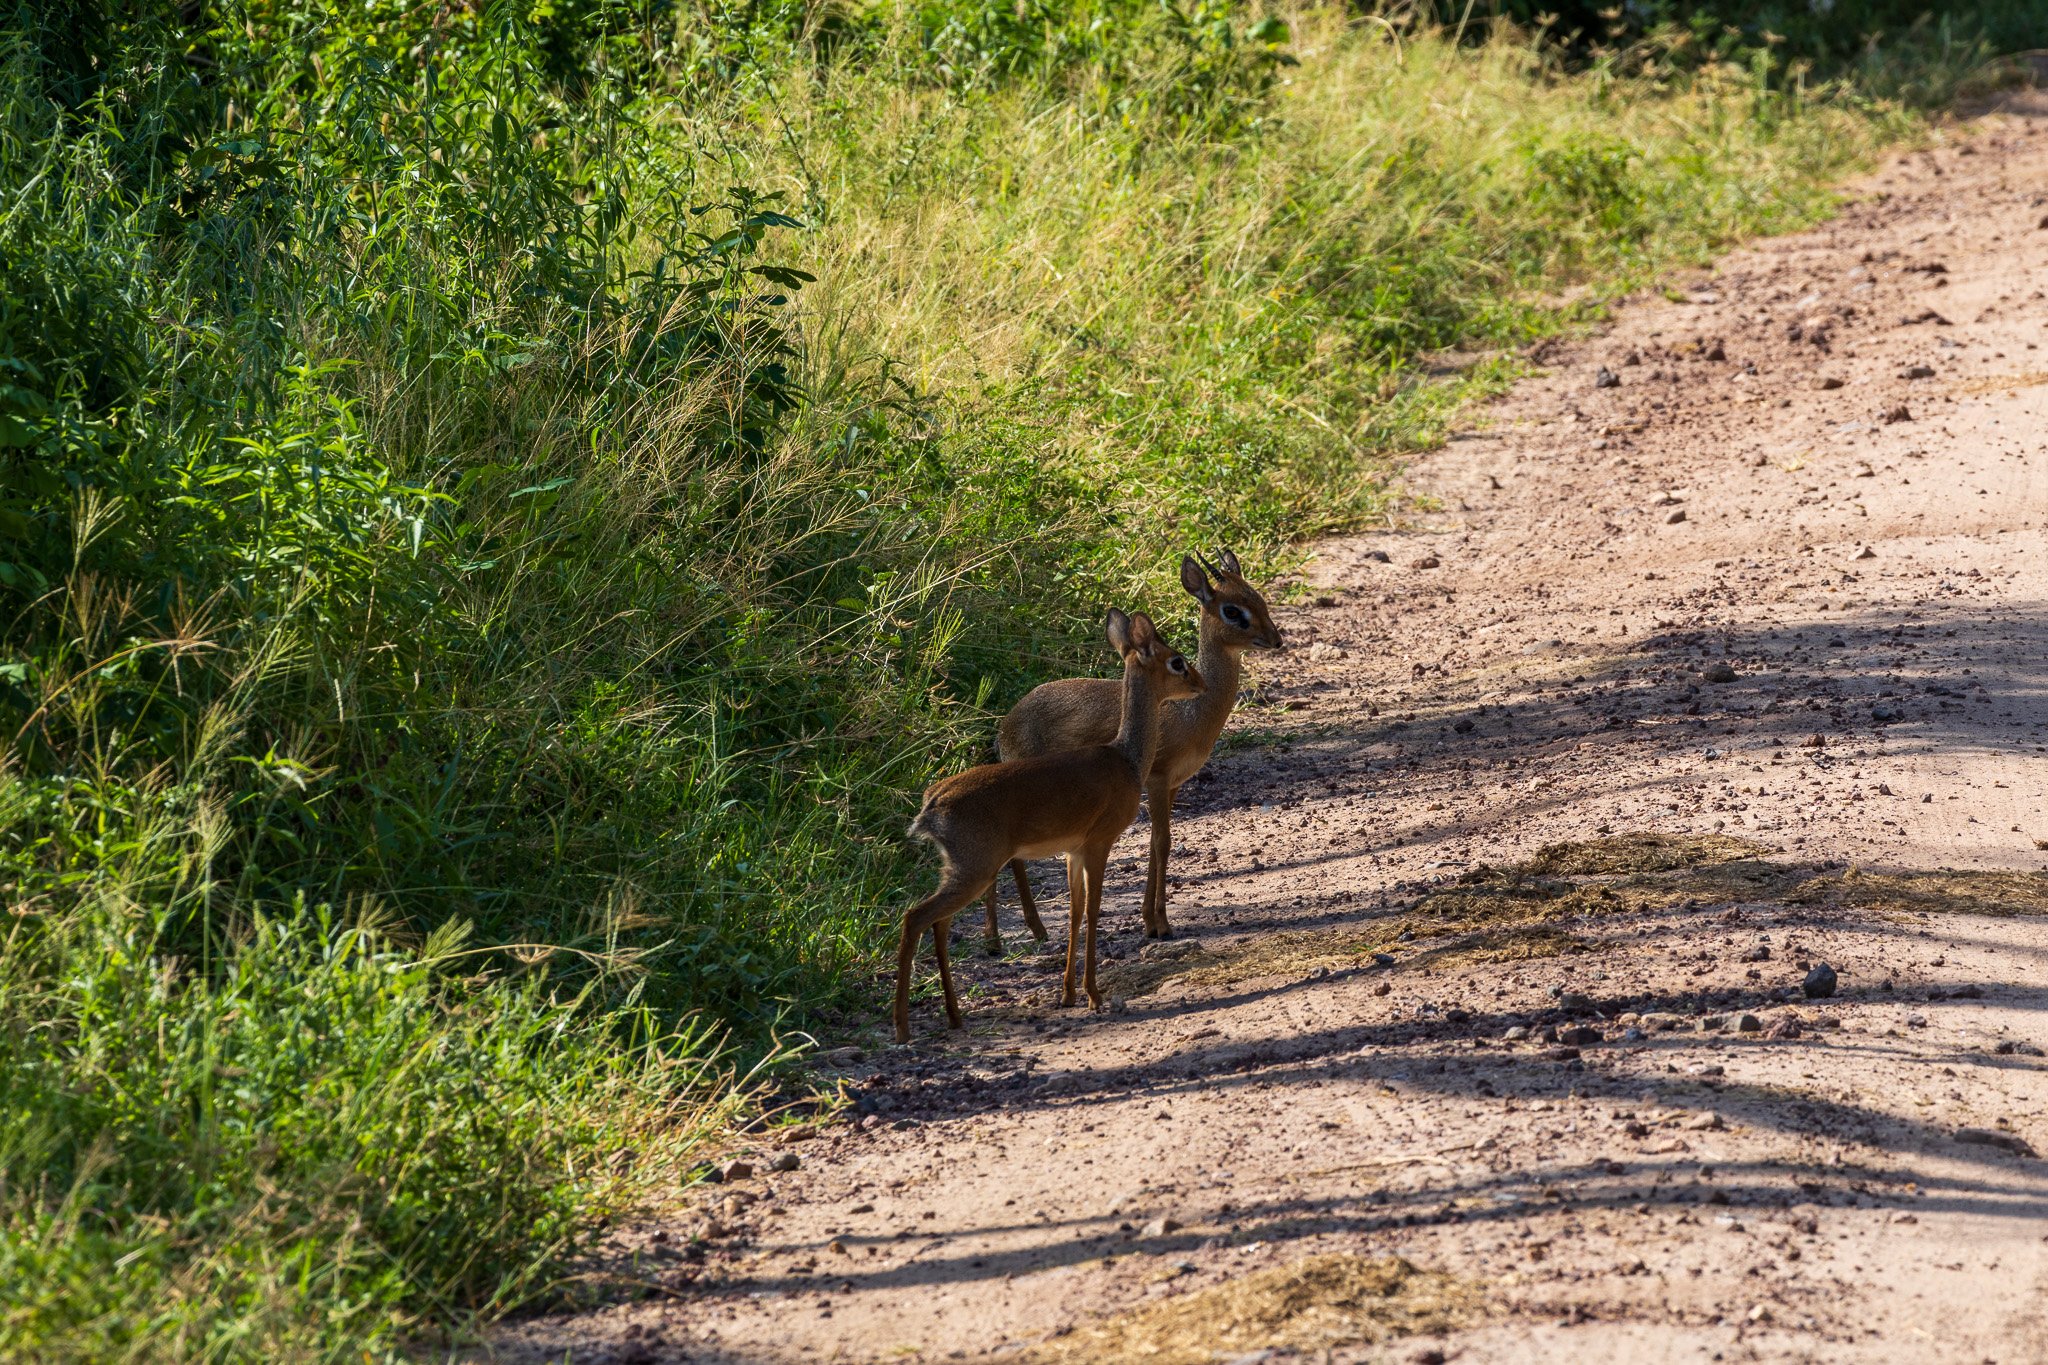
(1935, 893)
(1522, 943)
(1292, 953)
(1637, 853)
(1324, 1301)
(1511, 914)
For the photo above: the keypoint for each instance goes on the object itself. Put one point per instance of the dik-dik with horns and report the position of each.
(1074, 803)
(1075, 712)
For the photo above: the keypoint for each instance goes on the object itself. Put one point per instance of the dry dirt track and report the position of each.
(1319, 1075)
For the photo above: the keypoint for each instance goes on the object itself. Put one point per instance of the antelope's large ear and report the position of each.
(1119, 630)
(1228, 563)
(1144, 634)
(1195, 581)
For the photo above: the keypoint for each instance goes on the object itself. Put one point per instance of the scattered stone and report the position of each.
(1820, 982)
(1705, 1123)
(1322, 651)
(1760, 953)
(785, 1161)
(1633, 1035)
(1865, 553)
(1606, 379)
(1917, 372)
(1927, 799)
(1814, 742)
(1924, 315)
(837, 1247)
(2014, 1047)
(1747, 1023)
(1379, 556)
(1784, 1028)
(1383, 959)
(1160, 1226)
(1826, 382)
(1674, 518)
(735, 1170)
(1898, 412)
(1561, 1054)
(1715, 351)
(1883, 715)
(845, 1056)
(1168, 949)
(1661, 1023)
(1713, 1023)
(1428, 562)
(870, 1123)
(1916, 1021)
(1719, 671)
(1863, 470)
(1580, 1033)
(1517, 1034)
(1992, 1137)
(1884, 789)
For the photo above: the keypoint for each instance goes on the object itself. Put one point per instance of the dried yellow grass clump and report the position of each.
(1335, 1300)
(1637, 853)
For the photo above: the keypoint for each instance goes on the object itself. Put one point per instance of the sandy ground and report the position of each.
(1390, 1029)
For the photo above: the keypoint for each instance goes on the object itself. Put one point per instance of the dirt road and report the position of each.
(1756, 635)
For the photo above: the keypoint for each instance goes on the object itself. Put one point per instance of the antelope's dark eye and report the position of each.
(1177, 664)
(1235, 615)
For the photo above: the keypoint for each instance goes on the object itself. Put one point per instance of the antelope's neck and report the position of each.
(1137, 737)
(1221, 668)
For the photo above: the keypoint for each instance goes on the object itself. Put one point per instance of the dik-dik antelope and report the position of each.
(1073, 712)
(1074, 803)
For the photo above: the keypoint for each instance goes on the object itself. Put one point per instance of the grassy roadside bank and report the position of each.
(501, 516)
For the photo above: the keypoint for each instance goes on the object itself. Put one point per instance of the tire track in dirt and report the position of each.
(1407, 1089)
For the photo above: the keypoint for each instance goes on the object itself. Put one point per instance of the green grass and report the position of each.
(501, 520)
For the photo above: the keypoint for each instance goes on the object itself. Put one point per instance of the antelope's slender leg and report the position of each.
(1077, 903)
(942, 931)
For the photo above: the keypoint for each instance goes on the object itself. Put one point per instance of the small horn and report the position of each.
(1212, 570)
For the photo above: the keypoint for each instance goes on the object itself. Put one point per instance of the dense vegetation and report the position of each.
(502, 506)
